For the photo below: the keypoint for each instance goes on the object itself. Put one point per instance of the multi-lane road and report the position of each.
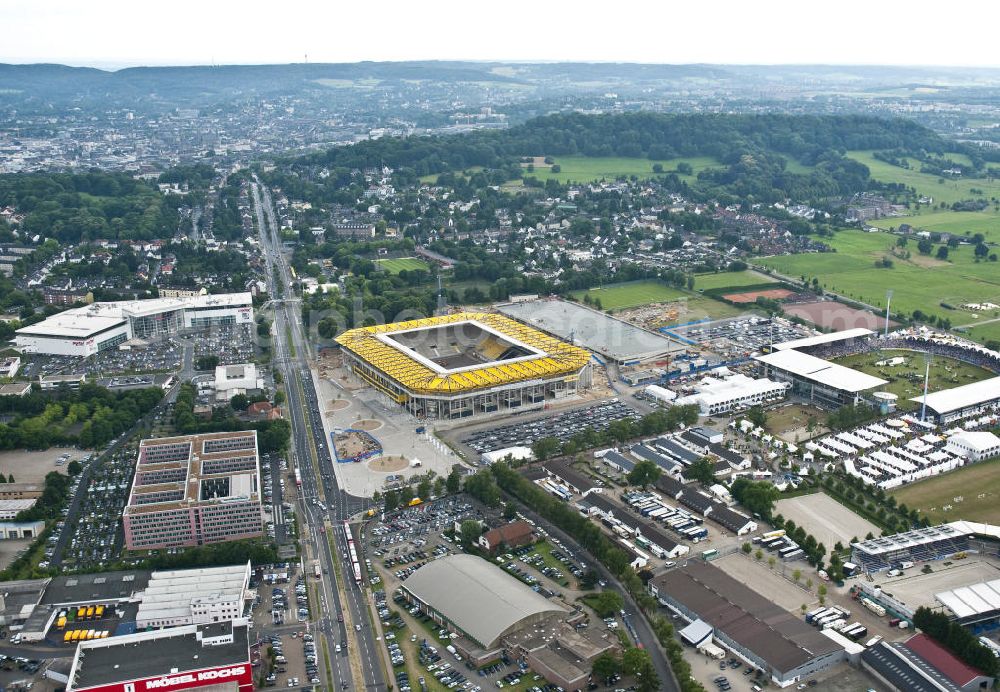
(342, 614)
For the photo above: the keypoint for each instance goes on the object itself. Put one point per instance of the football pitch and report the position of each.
(394, 266)
(631, 294)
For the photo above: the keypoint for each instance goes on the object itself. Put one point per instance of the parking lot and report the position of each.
(561, 426)
(96, 538)
(737, 337)
(232, 344)
(415, 644)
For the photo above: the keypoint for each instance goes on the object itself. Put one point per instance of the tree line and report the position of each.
(89, 416)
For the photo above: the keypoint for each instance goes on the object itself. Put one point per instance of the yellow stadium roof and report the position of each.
(556, 358)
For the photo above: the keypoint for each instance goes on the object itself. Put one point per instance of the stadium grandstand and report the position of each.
(928, 543)
(465, 364)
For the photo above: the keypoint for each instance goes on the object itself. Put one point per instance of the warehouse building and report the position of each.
(949, 405)
(134, 599)
(922, 665)
(613, 339)
(89, 329)
(753, 628)
(465, 364)
(193, 490)
(214, 656)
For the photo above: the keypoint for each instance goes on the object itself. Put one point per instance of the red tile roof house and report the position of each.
(512, 535)
(961, 674)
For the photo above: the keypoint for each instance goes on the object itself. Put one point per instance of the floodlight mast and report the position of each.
(927, 377)
(888, 302)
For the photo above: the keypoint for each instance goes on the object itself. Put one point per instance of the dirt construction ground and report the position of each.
(825, 518)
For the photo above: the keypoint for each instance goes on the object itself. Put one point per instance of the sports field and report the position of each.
(583, 169)
(971, 493)
(704, 282)
(752, 296)
(825, 518)
(631, 294)
(907, 380)
(394, 266)
(921, 282)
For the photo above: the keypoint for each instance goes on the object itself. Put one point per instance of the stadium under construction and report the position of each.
(465, 364)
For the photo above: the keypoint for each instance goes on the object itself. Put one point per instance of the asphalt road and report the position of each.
(636, 621)
(311, 454)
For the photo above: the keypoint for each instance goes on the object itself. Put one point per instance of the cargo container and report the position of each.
(873, 606)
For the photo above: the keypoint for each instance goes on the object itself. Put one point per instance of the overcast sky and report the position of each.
(116, 33)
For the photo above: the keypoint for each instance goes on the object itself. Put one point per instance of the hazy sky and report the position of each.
(133, 32)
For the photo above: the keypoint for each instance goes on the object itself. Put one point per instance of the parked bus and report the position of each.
(67, 637)
(709, 554)
(61, 622)
(90, 612)
(99, 611)
(772, 534)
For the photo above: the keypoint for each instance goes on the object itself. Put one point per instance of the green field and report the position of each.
(919, 283)
(971, 492)
(704, 282)
(944, 190)
(394, 266)
(631, 294)
(907, 380)
(584, 169)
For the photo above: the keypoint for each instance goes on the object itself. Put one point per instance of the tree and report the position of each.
(758, 555)
(981, 250)
(10, 477)
(240, 402)
(747, 548)
(509, 511)
(797, 575)
(74, 468)
(424, 489)
(924, 246)
(391, 500)
(645, 473)
(757, 416)
(942, 252)
(279, 398)
(454, 482)
(756, 496)
(605, 667)
(439, 486)
(405, 495)
(470, 530)
(702, 471)
(545, 448)
(606, 603)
